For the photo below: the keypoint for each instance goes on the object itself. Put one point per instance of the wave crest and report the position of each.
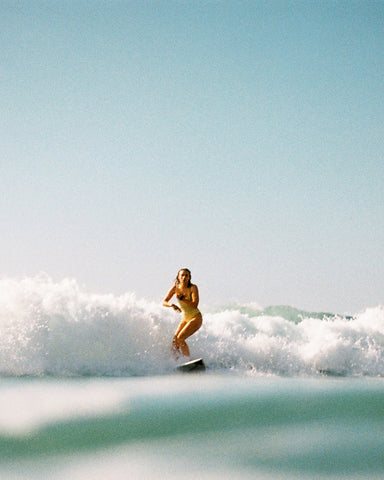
(49, 328)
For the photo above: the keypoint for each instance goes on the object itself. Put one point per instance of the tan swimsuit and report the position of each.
(189, 312)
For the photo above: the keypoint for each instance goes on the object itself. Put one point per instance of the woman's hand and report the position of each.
(175, 307)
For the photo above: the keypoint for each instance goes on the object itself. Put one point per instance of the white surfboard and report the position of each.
(192, 366)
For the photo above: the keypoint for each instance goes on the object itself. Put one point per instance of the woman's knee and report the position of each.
(179, 340)
(189, 330)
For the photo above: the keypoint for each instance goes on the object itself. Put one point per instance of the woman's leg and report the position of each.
(175, 343)
(186, 331)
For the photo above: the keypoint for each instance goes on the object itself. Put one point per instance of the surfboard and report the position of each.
(331, 373)
(192, 366)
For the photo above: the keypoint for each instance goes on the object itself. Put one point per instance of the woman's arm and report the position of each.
(168, 297)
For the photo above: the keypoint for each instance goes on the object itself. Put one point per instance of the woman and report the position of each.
(188, 297)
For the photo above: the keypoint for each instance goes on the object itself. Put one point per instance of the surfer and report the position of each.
(187, 295)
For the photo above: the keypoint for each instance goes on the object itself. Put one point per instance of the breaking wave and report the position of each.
(57, 328)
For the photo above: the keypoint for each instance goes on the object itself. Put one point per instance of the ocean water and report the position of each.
(88, 390)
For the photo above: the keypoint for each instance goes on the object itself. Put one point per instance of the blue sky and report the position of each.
(243, 139)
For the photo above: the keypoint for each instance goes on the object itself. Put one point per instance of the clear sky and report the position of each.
(242, 139)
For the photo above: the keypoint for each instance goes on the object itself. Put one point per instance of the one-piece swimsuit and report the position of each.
(189, 312)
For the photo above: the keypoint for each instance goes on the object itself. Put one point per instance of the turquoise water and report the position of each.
(88, 390)
(194, 426)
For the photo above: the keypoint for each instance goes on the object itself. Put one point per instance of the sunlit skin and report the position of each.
(188, 294)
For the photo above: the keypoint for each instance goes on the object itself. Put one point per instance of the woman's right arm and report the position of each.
(168, 297)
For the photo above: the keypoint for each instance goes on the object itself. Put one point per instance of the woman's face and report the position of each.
(183, 276)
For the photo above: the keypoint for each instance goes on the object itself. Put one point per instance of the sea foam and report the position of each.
(58, 328)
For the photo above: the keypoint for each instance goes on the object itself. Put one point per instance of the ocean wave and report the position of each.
(57, 328)
(61, 417)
